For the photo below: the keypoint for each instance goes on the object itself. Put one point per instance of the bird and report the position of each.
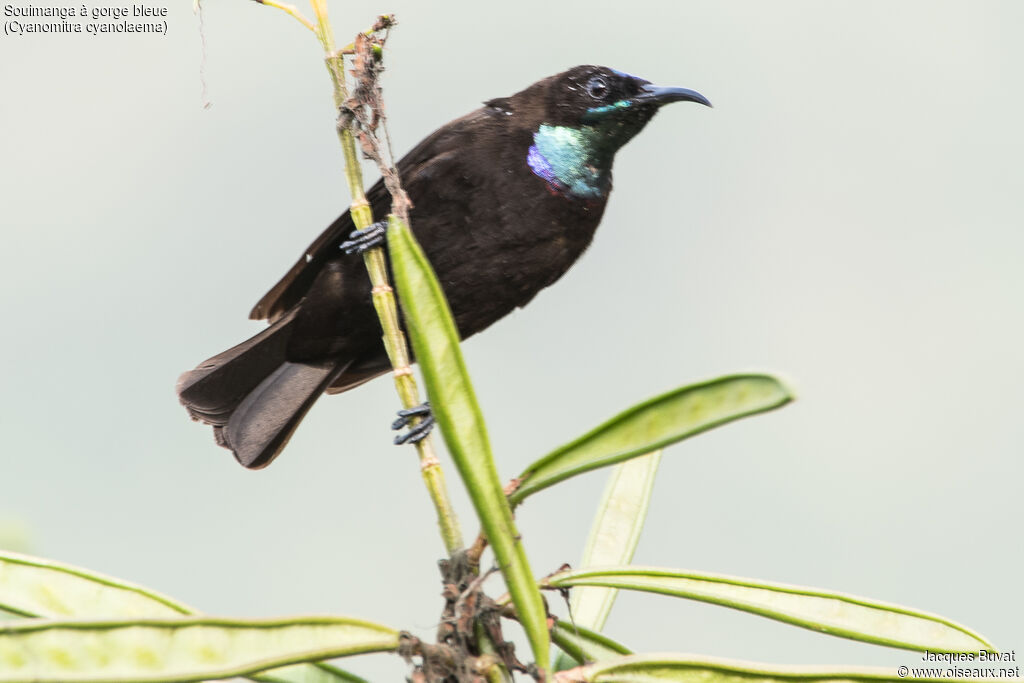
(504, 201)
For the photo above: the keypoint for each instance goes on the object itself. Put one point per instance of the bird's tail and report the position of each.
(253, 396)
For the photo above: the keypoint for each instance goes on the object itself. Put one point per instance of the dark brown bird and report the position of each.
(505, 199)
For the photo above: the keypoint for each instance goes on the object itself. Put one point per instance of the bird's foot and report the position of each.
(360, 241)
(417, 432)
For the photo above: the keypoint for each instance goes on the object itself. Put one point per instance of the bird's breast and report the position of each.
(503, 262)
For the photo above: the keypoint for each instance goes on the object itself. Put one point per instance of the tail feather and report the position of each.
(253, 396)
(265, 420)
(214, 389)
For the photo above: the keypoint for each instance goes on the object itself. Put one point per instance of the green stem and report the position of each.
(323, 27)
(496, 673)
(383, 295)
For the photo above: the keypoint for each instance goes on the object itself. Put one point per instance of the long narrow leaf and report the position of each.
(613, 539)
(182, 649)
(453, 402)
(836, 614)
(654, 424)
(670, 668)
(615, 534)
(585, 646)
(34, 587)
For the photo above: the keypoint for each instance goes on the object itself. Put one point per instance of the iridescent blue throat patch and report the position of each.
(542, 168)
(561, 155)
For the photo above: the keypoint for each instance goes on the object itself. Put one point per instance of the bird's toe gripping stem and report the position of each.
(419, 431)
(360, 241)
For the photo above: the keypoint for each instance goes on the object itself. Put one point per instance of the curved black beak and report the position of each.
(655, 94)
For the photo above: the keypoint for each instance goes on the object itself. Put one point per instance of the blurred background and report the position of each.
(848, 215)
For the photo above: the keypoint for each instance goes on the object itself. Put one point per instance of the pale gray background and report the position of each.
(848, 215)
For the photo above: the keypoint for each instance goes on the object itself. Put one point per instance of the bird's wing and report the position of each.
(426, 161)
(293, 286)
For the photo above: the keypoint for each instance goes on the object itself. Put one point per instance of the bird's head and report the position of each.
(618, 103)
(584, 116)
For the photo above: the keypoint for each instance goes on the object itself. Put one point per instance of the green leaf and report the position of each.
(34, 587)
(453, 402)
(182, 649)
(584, 645)
(654, 424)
(657, 668)
(836, 614)
(615, 534)
(613, 539)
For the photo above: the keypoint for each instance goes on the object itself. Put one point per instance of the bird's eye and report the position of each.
(597, 87)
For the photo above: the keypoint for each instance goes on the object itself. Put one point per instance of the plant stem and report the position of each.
(383, 295)
(497, 672)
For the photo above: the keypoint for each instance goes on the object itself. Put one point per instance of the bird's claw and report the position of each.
(417, 432)
(360, 241)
